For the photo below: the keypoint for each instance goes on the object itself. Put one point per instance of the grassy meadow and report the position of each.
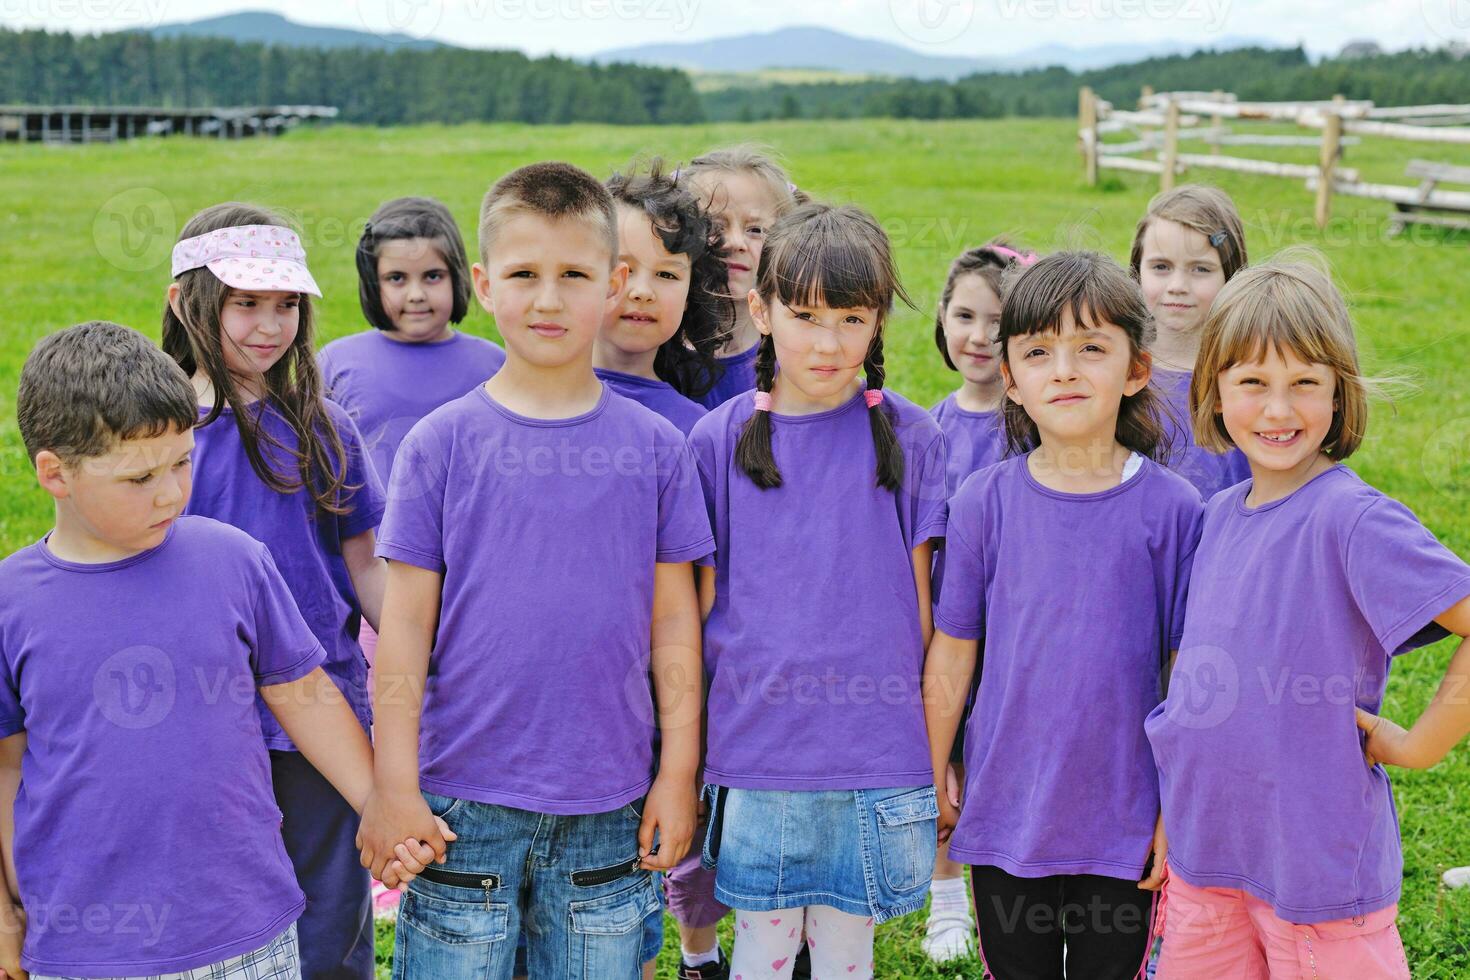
(85, 233)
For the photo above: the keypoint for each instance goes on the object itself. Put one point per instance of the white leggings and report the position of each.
(766, 944)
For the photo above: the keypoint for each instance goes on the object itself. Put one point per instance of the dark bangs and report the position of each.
(832, 257)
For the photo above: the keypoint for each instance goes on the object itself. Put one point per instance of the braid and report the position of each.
(885, 440)
(753, 452)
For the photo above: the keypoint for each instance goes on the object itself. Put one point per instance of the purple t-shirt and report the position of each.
(307, 548)
(1296, 611)
(814, 650)
(1078, 599)
(387, 386)
(547, 532)
(975, 439)
(738, 376)
(656, 396)
(1210, 472)
(146, 837)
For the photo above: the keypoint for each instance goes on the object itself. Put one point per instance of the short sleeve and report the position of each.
(702, 449)
(1190, 524)
(366, 501)
(926, 485)
(1401, 577)
(12, 715)
(683, 515)
(412, 530)
(282, 646)
(960, 611)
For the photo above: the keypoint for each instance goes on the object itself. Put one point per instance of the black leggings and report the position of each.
(1099, 926)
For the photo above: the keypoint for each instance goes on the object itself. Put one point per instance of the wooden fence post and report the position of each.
(1087, 131)
(1326, 165)
(1170, 156)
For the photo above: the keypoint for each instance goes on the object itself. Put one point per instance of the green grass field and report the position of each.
(85, 233)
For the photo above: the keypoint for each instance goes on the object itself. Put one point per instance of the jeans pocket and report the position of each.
(714, 816)
(441, 937)
(908, 837)
(442, 806)
(606, 933)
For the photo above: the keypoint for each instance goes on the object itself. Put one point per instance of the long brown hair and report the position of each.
(837, 257)
(293, 385)
(1094, 289)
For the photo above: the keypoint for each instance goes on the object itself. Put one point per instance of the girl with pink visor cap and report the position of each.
(278, 460)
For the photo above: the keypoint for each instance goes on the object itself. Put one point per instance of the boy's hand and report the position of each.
(413, 857)
(1389, 743)
(670, 809)
(390, 820)
(12, 938)
(1158, 851)
(949, 812)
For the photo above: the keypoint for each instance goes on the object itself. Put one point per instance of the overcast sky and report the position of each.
(966, 27)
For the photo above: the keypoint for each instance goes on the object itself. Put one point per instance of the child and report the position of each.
(286, 466)
(540, 531)
(1283, 847)
(413, 282)
(658, 346)
(965, 328)
(1187, 246)
(144, 838)
(745, 190)
(825, 493)
(1072, 562)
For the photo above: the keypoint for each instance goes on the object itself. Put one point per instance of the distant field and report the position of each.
(85, 233)
(715, 81)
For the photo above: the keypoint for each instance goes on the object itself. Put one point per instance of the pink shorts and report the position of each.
(1224, 932)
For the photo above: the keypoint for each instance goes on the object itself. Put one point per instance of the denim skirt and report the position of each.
(862, 851)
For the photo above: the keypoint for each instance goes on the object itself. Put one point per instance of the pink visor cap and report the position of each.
(266, 258)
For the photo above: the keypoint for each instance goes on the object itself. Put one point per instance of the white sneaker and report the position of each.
(950, 936)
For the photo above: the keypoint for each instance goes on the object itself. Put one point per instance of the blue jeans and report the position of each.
(571, 882)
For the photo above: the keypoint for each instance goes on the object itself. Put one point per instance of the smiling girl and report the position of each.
(413, 283)
(1188, 245)
(277, 460)
(1071, 562)
(1284, 847)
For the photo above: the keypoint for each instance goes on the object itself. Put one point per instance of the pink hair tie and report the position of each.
(1022, 259)
(762, 401)
(873, 396)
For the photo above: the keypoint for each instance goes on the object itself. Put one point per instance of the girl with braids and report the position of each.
(1071, 561)
(658, 347)
(825, 490)
(274, 458)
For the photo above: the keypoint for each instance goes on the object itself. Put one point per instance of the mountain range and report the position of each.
(816, 48)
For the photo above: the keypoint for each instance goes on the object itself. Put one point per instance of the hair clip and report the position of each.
(1219, 238)
(762, 401)
(675, 175)
(791, 187)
